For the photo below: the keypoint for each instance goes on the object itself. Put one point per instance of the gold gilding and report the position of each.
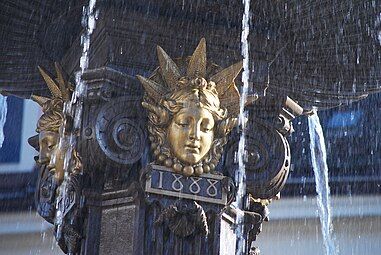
(191, 109)
(190, 134)
(48, 141)
(51, 120)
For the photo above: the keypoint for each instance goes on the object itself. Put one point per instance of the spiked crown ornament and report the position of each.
(52, 107)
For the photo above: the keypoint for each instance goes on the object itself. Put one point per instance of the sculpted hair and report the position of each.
(52, 116)
(204, 97)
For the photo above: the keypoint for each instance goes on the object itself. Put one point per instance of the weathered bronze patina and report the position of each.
(193, 106)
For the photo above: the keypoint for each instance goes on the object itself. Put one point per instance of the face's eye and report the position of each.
(206, 128)
(183, 124)
(207, 125)
(51, 147)
(182, 121)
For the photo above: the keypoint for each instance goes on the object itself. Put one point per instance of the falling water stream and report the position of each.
(3, 117)
(73, 109)
(320, 168)
(240, 175)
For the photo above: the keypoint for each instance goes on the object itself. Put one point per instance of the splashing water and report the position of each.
(73, 109)
(319, 165)
(378, 27)
(3, 117)
(240, 175)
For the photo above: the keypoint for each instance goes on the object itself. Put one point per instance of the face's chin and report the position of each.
(190, 154)
(191, 158)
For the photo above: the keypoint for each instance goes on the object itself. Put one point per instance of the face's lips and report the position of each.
(193, 147)
(42, 162)
(51, 167)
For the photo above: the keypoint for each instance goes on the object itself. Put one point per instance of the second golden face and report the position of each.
(48, 141)
(190, 134)
(51, 155)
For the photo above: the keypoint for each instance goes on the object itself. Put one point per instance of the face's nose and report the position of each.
(43, 160)
(44, 157)
(195, 132)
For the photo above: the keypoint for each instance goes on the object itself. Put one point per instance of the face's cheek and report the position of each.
(45, 153)
(176, 137)
(59, 157)
(206, 142)
(179, 139)
(48, 143)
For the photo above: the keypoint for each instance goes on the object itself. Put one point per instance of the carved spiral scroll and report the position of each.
(267, 160)
(118, 131)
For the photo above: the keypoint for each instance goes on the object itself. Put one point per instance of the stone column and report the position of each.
(133, 207)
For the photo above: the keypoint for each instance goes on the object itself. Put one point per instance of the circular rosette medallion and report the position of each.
(118, 130)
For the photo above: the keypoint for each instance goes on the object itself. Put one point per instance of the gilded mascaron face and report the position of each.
(190, 134)
(48, 141)
(50, 155)
(192, 106)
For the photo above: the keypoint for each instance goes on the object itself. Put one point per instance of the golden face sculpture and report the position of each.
(50, 154)
(49, 124)
(48, 142)
(191, 134)
(192, 106)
